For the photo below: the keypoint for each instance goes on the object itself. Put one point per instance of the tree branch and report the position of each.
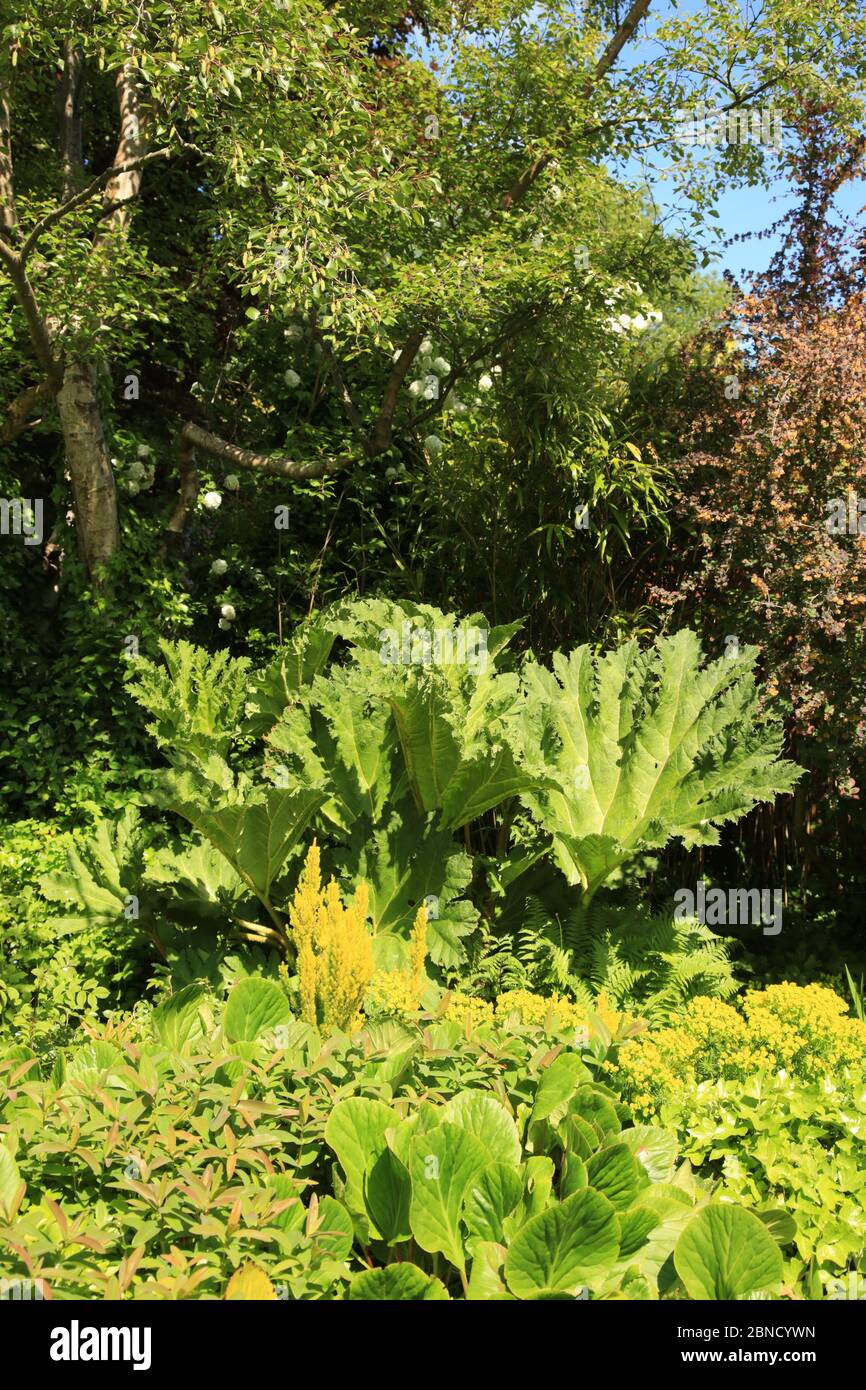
(192, 436)
(39, 334)
(95, 186)
(351, 410)
(382, 429)
(524, 181)
(8, 217)
(19, 412)
(69, 104)
(621, 38)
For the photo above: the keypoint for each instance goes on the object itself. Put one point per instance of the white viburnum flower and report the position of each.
(441, 366)
(291, 378)
(219, 567)
(485, 382)
(212, 500)
(426, 348)
(433, 444)
(228, 612)
(416, 388)
(224, 624)
(233, 482)
(144, 451)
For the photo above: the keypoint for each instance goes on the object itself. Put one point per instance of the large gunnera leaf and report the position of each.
(644, 747)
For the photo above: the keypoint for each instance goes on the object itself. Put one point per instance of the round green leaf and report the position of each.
(401, 1283)
(559, 1250)
(726, 1252)
(490, 1123)
(253, 1006)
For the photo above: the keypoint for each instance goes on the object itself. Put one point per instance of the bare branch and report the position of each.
(186, 498)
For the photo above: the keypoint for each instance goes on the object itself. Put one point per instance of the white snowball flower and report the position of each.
(136, 471)
(459, 408)
(431, 388)
(441, 366)
(485, 382)
(144, 451)
(228, 612)
(433, 444)
(224, 625)
(426, 348)
(416, 388)
(233, 482)
(639, 323)
(212, 500)
(132, 489)
(291, 378)
(219, 567)
(655, 316)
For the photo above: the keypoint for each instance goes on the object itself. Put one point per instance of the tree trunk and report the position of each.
(89, 464)
(87, 454)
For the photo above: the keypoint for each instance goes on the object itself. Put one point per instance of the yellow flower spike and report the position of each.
(418, 951)
(334, 949)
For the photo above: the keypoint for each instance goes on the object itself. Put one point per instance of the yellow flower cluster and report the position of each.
(333, 947)
(554, 1014)
(463, 1008)
(804, 1030)
(399, 991)
(533, 1008)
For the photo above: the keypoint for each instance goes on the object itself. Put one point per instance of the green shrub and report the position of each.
(772, 1142)
(204, 1152)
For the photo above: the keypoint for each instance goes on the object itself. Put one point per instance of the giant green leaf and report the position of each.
(648, 746)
